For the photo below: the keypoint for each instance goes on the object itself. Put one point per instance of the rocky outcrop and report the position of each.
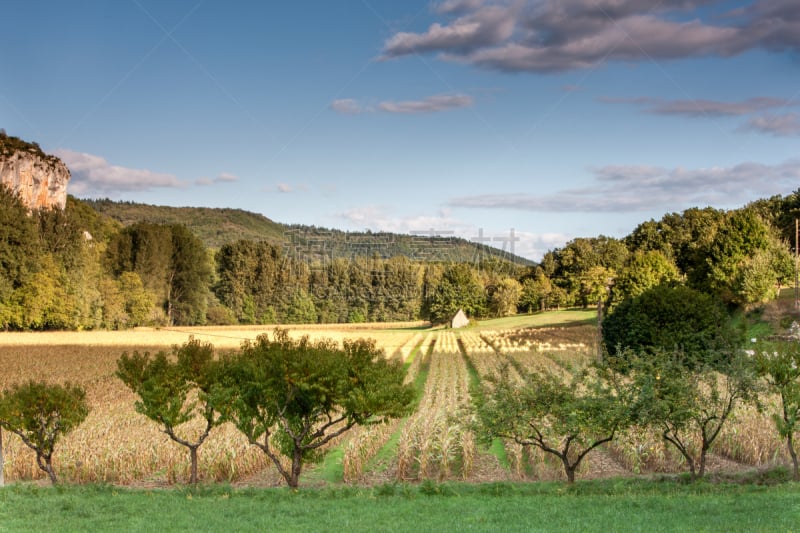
(40, 180)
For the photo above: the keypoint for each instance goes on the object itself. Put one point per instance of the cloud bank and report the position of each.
(558, 35)
(648, 188)
(93, 176)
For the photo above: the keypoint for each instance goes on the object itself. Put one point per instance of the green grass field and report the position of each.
(609, 505)
(550, 318)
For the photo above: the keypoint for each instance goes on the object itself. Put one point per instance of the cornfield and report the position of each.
(117, 445)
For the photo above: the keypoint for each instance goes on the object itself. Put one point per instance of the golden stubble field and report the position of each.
(119, 446)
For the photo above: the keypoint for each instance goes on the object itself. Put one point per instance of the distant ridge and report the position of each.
(219, 226)
(214, 226)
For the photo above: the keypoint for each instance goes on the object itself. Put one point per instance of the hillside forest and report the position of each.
(79, 269)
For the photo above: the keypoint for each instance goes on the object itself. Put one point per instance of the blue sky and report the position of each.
(558, 118)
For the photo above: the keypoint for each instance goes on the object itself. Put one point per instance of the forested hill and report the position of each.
(216, 227)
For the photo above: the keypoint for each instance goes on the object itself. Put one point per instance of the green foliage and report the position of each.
(567, 419)
(668, 318)
(188, 278)
(644, 270)
(171, 263)
(137, 302)
(247, 277)
(301, 309)
(18, 243)
(173, 393)
(10, 145)
(689, 406)
(779, 364)
(215, 227)
(291, 397)
(536, 292)
(40, 413)
(218, 227)
(583, 268)
(45, 302)
(458, 288)
(505, 298)
(683, 237)
(745, 261)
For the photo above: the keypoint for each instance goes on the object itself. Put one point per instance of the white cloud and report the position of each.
(226, 177)
(786, 125)
(701, 107)
(457, 6)
(535, 245)
(431, 104)
(645, 188)
(284, 188)
(93, 176)
(346, 106)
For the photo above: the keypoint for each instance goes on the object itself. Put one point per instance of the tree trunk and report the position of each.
(297, 466)
(702, 470)
(690, 462)
(2, 478)
(568, 469)
(193, 472)
(46, 464)
(789, 444)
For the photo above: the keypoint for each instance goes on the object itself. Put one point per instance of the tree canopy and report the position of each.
(40, 414)
(291, 397)
(173, 393)
(668, 317)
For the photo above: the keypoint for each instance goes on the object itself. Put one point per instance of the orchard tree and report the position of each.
(291, 397)
(40, 413)
(690, 405)
(174, 393)
(779, 364)
(565, 417)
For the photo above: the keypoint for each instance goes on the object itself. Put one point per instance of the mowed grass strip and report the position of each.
(612, 505)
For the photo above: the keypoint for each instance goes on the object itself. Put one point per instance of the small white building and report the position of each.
(459, 320)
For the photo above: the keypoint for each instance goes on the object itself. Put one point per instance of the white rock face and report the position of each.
(39, 180)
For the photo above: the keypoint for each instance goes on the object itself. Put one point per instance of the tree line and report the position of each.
(75, 269)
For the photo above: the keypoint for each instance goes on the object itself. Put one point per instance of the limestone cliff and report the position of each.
(40, 180)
